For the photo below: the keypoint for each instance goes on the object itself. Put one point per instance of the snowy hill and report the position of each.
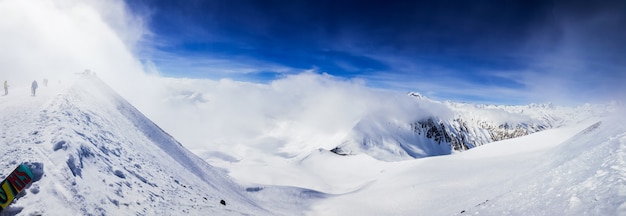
(98, 155)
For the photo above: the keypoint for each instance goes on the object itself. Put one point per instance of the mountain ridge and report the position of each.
(102, 156)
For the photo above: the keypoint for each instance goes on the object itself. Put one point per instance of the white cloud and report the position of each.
(441, 85)
(211, 66)
(306, 111)
(56, 38)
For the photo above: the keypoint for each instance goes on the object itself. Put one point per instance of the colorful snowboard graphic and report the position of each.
(14, 184)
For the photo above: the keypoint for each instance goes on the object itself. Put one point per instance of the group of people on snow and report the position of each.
(33, 86)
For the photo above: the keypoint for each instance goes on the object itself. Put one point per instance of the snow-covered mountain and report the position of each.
(462, 127)
(572, 151)
(95, 154)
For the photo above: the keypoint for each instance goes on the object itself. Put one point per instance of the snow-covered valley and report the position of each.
(98, 155)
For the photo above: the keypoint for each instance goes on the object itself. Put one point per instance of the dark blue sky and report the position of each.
(473, 50)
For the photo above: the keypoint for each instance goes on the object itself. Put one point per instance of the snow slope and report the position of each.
(579, 170)
(100, 156)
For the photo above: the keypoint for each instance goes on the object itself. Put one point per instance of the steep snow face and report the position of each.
(101, 156)
(468, 126)
(586, 175)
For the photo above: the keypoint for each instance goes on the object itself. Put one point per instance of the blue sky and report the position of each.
(510, 52)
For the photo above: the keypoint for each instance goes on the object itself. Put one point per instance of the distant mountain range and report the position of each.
(462, 127)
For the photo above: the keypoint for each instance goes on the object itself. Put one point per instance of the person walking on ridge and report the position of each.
(34, 86)
(6, 88)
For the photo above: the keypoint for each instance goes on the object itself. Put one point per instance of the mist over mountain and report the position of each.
(298, 114)
(469, 126)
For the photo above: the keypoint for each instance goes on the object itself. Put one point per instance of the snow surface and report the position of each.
(100, 155)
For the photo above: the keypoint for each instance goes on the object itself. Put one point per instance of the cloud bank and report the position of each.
(288, 117)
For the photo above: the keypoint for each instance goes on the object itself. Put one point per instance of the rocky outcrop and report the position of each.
(461, 135)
